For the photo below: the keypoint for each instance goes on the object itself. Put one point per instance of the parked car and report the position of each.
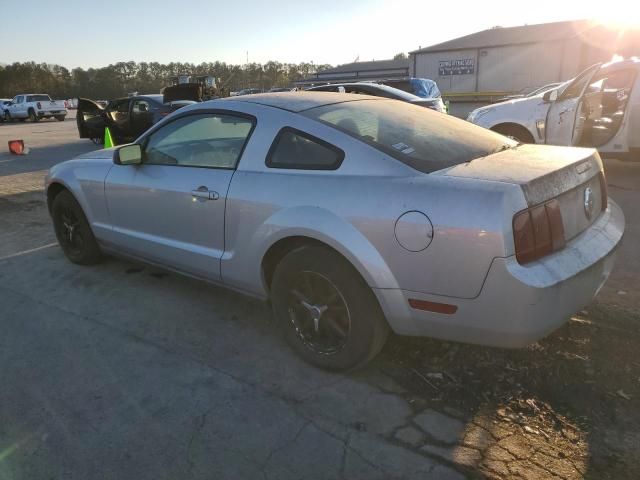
(353, 216)
(280, 89)
(532, 93)
(35, 107)
(127, 118)
(247, 91)
(599, 108)
(378, 90)
(4, 106)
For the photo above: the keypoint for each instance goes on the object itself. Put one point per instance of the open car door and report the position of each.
(90, 119)
(565, 121)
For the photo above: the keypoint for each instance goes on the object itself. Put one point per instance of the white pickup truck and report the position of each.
(34, 106)
(599, 108)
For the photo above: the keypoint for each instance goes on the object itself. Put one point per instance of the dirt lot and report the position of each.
(125, 371)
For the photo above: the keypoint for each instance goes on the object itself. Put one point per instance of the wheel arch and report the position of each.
(281, 248)
(53, 190)
(504, 127)
(358, 252)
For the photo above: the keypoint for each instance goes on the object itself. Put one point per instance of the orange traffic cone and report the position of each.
(17, 147)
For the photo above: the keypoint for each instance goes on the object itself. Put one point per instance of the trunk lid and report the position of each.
(572, 176)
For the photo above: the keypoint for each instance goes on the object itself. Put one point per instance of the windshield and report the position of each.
(419, 137)
(540, 90)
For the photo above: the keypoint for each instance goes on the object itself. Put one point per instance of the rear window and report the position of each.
(38, 98)
(419, 137)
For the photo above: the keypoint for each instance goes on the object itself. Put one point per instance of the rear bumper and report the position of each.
(518, 304)
(51, 113)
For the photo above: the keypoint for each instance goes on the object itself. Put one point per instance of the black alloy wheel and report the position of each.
(326, 311)
(319, 313)
(73, 231)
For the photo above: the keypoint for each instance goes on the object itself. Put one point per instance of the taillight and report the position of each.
(603, 191)
(538, 231)
(39, 106)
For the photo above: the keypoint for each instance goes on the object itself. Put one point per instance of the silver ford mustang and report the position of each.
(354, 216)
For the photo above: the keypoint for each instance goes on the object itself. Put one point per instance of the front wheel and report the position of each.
(73, 231)
(327, 312)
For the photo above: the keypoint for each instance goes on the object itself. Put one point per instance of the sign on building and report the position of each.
(465, 66)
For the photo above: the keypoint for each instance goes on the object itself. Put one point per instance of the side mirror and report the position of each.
(550, 96)
(128, 155)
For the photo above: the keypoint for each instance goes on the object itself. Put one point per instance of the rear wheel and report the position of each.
(327, 313)
(32, 116)
(73, 231)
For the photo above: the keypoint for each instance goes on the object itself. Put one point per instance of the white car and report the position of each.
(599, 108)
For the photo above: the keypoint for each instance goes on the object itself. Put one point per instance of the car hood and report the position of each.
(103, 154)
(514, 104)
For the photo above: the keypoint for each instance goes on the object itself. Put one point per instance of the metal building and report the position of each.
(397, 69)
(486, 65)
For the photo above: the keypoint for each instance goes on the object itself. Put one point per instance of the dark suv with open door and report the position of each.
(127, 118)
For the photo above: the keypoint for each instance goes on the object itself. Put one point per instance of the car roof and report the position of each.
(620, 64)
(300, 101)
(401, 94)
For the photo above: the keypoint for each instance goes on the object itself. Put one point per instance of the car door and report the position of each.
(563, 115)
(16, 110)
(118, 117)
(141, 117)
(170, 209)
(90, 119)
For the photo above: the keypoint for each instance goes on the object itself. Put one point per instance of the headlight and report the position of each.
(475, 115)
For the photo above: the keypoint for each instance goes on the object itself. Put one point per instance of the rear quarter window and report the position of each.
(298, 150)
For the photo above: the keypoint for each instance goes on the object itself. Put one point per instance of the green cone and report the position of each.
(108, 141)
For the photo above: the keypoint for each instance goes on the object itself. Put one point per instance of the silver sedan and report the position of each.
(353, 216)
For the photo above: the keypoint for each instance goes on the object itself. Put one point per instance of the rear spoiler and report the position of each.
(184, 91)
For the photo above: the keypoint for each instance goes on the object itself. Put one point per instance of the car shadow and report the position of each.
(567, 405)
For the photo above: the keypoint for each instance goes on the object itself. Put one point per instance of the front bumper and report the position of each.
(518, 304)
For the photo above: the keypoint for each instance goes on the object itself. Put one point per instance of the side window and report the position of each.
(297, 150)
(20, 99)
(205, 140)
(576, 87)
(123, 106)
(29, 98)
(141, 106)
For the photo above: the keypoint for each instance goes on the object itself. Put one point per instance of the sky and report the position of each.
(81, 33)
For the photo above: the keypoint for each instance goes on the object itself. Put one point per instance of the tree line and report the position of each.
(118, 79)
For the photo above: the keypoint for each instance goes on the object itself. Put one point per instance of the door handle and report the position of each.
(204, 193)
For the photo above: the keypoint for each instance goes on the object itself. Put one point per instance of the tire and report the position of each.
(33, 117)
(60, 118)
(7, 117)
(312, 282)
(73, 231)
(516, 132)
